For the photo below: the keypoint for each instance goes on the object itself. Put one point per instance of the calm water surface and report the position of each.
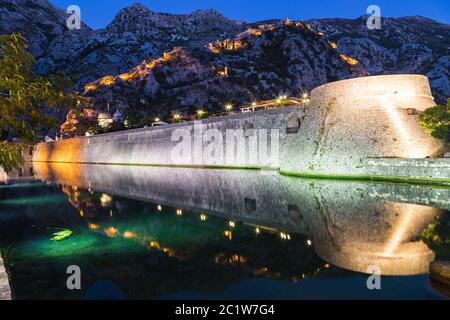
(160, 233)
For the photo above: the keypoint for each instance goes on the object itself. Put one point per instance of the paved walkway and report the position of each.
(5, 291)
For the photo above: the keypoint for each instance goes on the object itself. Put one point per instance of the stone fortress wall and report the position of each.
(351, 120)
(155, 146)
(346, 124)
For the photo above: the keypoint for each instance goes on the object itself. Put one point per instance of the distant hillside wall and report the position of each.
(344, 123)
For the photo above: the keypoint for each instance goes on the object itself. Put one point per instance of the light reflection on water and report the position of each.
(165, 232)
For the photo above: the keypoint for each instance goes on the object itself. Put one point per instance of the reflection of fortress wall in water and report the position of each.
(345, 123)
(349, 225)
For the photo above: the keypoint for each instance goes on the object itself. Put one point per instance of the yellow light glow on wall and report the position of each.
(107, 81)
(349, 60)
(410, 148)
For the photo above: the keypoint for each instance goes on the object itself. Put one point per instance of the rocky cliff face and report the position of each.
(136, 34)
(403, 45)
(237, 65)
(260, 63)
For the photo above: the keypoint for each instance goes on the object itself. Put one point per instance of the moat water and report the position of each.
(173, 233)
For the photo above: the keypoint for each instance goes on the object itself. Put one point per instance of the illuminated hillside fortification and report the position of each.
(345, 125)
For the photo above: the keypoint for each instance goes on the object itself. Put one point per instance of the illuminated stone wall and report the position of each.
(345, 123)
(350, 120)
(154, 146)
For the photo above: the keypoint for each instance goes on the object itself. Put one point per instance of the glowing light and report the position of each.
(203, 217)
(128, 76)
(349, 60)
(285, 236)
(90, 87)
(107, 81)
(257, 231)
(157, 119)
(105, 200)
(129, 235)
(93, 226)
(309, 242)
(179, 212)
(229, 107)
(111, 232)
(232, 224)
(177, 116)
(327, 266)
(228, 234)
(81, 213)
(223, 73)
(159, 207)
(154, 244)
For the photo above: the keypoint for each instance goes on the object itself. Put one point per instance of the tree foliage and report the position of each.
(436, 121)
(10, 155)
(28, 101)
(437, 237)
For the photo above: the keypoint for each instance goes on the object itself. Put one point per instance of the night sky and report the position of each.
(97, 14)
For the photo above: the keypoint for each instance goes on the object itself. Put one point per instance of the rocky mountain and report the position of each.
(259, 63)
(402, 45)
(132, 62)
(136, 34)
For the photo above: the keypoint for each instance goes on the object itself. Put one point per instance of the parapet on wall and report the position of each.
(372, 117)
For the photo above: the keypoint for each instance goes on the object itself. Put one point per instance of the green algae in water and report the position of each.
(62, 235)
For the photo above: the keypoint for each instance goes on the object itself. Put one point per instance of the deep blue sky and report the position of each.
(98, 13)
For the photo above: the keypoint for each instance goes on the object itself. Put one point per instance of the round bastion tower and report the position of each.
(351, 120)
